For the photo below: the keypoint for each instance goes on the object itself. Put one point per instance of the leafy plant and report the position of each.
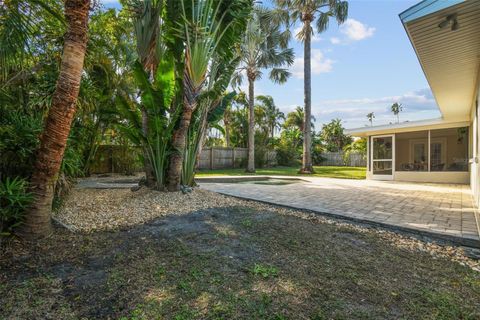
(264, 271)
(14, 200)
(18, 142)
(155, 98)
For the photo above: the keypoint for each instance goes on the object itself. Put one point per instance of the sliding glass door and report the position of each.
(383, 155)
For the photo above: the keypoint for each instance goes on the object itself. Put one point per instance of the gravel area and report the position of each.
(89, 210)
(112, 209)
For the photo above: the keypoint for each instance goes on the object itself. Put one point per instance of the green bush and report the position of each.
(18, 141)
(287, 156)
(14, 200)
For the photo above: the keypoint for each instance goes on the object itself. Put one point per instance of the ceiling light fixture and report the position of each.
(450, 19)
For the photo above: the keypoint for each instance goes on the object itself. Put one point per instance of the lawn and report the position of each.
(233, 259)
(320, 171)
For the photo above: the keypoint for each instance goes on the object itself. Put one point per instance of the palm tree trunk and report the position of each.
(178, 144)
(149, 174)
(251, 125)
(57, 128)
(307, 120)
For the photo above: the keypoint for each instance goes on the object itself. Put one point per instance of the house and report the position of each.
(445, 35)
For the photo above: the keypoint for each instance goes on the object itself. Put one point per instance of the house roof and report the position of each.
(426, 7)
(408, 126)
(450, 58)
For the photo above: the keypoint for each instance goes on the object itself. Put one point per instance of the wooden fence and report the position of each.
(229, 158)
(119, 159)
(337, 159)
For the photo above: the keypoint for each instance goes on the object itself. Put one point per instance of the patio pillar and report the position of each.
(428, 150)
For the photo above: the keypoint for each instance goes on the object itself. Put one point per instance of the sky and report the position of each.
(362, 66)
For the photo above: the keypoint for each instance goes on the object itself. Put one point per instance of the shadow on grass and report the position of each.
(232, 262)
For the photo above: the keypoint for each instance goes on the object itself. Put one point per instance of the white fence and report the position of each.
(229, 158)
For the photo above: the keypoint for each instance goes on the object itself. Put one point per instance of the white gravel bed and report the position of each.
(89, 210)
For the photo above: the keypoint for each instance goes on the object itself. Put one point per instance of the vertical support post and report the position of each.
(211, 158)
(233, 157)
(428, 151)
(368, 154)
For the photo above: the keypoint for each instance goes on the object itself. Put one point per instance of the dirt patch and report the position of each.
(234, 259)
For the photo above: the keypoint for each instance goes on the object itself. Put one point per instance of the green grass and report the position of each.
(284, 265)
(320, 171)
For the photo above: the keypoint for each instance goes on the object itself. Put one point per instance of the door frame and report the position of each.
(383, 176)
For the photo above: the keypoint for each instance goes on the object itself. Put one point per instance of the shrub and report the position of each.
(18, 142)
(287, 156)
(14, 200)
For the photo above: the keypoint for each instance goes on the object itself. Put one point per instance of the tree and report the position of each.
(272, 115)
(208, 30)
(307, 12)
(263, 47)
(57, 128)
(296, 118)
(333, 136)
(396, 109)
(370, 117)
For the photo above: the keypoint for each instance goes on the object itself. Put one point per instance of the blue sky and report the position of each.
(362, 66)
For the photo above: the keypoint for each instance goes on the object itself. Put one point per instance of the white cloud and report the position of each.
(315, 38)
(417, 105)
(355, 30)
(110, 1)
(320, 64)
(335, 40)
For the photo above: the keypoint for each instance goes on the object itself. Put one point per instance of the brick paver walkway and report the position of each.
(440, 209)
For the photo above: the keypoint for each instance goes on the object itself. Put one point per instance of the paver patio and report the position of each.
(441, 210)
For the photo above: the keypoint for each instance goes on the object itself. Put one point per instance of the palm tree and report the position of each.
(396, 109)
(264, 47)
(308, 11)
(370, 117)
(57, 128)
(208, 28)
(296, 118)
(273, 115)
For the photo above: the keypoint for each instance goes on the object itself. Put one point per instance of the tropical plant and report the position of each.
(308, 12)
(14, 200)
(272, 115)
(57, 128)
(358, 146)
(295, 119)
(209, 29)
(333, 137)
(370, 117)
(396, 109)
(155, 100)
(263, 47)
(21, 24)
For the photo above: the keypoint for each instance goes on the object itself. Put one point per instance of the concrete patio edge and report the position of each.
(419, 234)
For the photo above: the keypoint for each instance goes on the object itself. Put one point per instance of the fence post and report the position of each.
(233, 157)
(211, 158)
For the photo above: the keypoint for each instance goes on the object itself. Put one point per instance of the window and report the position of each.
(411, 151)
(449, 149)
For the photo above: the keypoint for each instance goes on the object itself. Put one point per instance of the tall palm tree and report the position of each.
(57, 128)
(273, 115)
(396, 109)
(264, 47)
(370, 117)
(308, 12)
